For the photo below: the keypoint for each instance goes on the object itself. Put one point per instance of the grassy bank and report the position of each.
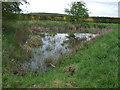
(95, 65)
(13, 36)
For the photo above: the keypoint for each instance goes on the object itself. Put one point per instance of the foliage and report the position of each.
(96, 66)
(35, 41)
(50, 16)
(10, 9)
(77, 10)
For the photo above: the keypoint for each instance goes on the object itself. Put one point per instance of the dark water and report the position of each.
(54, 46)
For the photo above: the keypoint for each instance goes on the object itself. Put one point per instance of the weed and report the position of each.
(48, 48)
(96, 62)
(35, 41)
(42, 34)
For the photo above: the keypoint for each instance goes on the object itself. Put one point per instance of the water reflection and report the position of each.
(54, 46)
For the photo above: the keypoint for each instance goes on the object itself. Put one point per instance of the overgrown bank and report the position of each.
(95, 65)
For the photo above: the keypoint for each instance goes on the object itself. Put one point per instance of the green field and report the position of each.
(65, 17)
(95, 65)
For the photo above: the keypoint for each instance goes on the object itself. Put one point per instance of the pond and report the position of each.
(54, 47)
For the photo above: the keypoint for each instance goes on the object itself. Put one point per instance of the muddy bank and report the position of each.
(54, 48)
(69, 29)
(51, 45)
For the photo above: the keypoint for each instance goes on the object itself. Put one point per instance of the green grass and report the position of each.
(44, 23)
(49, 23)
(96, 66)
(12, 37)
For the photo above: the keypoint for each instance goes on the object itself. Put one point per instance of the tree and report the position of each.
(10, 12)
(77, 10)
(10, 8)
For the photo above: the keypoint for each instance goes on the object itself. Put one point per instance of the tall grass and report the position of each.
(12, 37)
(93, 66)
(63, 26)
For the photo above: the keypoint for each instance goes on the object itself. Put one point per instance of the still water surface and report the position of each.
(54, 47)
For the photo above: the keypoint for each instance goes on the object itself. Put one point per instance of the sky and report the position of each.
(106, 8)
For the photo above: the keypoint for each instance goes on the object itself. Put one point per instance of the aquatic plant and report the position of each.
(42, 34)
(38, 53)
(54, 41)
(63, 44)
(48, 48)
(71, 35)
(35, 41)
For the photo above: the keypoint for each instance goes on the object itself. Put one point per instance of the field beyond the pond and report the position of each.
(92, 60)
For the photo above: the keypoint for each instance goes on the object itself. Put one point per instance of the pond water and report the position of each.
(53, 48)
